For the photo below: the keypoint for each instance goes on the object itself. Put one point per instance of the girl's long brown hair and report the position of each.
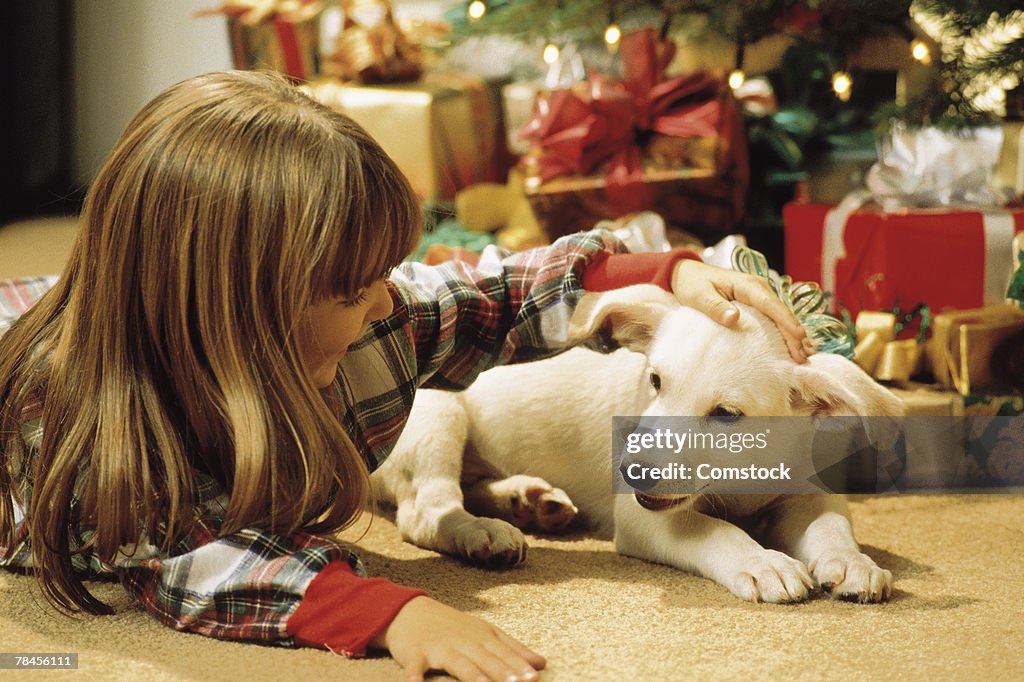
(229, 205)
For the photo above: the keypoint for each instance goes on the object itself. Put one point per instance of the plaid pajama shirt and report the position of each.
(450, 323)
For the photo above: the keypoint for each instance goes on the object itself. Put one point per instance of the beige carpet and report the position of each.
(958, 612)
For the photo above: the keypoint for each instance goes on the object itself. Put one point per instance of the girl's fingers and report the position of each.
(710, 289)
(757, 294)
(416, 669)
(468, 670)
(501, 665)
(536, 661)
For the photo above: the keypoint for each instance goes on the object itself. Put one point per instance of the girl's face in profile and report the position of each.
(329, 327)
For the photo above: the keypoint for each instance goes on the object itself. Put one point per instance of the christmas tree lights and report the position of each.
(982, 41)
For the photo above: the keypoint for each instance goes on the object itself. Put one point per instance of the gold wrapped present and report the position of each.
(879, 353)
(376, 53)
(440, 130)
(963, 342)
(929, 400)
(932, 400)
(980, 445)
(281, 35)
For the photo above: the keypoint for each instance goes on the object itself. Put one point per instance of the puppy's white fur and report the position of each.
(531, 444)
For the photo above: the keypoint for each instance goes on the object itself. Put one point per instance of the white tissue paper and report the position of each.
(928, 168)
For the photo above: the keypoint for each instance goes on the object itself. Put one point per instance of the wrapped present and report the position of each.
(1015, 292)
(928, 400)
(965, 343)
(932, 400)
(996, 443)
(519, 98)
(879, 353)
(1010, 168)
(931, 167)
(518, 102)
(377, 51)
(440, 130)
(946, 258)
(281, 35)
(448, 239)
(957, 442)
(674, 146)
(493, 207)
(1005, 404)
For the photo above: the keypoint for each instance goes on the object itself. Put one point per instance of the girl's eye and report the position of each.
(656, 381)
(357, 299)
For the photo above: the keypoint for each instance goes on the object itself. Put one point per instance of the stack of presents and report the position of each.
(932, 295)
(920, 264)
(599, 148)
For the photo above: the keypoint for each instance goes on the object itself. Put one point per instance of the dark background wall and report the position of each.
(35, 171)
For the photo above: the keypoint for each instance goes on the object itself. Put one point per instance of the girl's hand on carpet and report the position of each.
(427, 635)
(709, 289)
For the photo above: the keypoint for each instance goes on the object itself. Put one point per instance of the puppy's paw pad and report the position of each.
(772, 577)
(491, 543)
(853, 577)
(535, 504)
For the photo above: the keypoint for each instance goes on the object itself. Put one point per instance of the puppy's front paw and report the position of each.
(852, 576)
(771, 576)
(538, 505)
(491, 543)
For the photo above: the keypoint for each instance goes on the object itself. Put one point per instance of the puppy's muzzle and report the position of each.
(644, 489)
(659, 503)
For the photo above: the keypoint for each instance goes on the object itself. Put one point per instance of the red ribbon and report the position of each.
(294, 66)
(610, 123)
(285, 18)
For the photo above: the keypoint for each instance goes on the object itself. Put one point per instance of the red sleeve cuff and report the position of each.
(614, 270)
(343, 611)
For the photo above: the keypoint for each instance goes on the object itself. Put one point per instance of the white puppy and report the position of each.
(501, 447)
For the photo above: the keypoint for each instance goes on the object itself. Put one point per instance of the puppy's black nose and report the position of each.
(629, 474)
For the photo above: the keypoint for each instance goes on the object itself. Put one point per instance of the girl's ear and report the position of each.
(629, 316)
(831, 385)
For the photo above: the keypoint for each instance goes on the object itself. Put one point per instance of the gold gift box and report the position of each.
(963, 341)
(879, 353)
(1003, 460)
(279, 44)
(441, 131)
(929, 400)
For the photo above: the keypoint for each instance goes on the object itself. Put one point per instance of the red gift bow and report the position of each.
(575, 134)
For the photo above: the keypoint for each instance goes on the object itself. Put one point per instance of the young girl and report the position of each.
(195, 405)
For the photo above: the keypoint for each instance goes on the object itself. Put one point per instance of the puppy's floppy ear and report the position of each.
(629, 315)
(831, 385)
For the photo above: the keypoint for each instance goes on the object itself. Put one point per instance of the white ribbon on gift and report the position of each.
(833, 249)
(999, 232)
(997, 223)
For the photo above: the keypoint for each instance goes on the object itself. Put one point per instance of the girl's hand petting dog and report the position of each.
(428, 635)
(709, 289)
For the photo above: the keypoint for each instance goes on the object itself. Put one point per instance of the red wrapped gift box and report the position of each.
(955, 258)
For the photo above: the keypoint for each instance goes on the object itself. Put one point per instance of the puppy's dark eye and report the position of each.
(723, 412)
(656, 381)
